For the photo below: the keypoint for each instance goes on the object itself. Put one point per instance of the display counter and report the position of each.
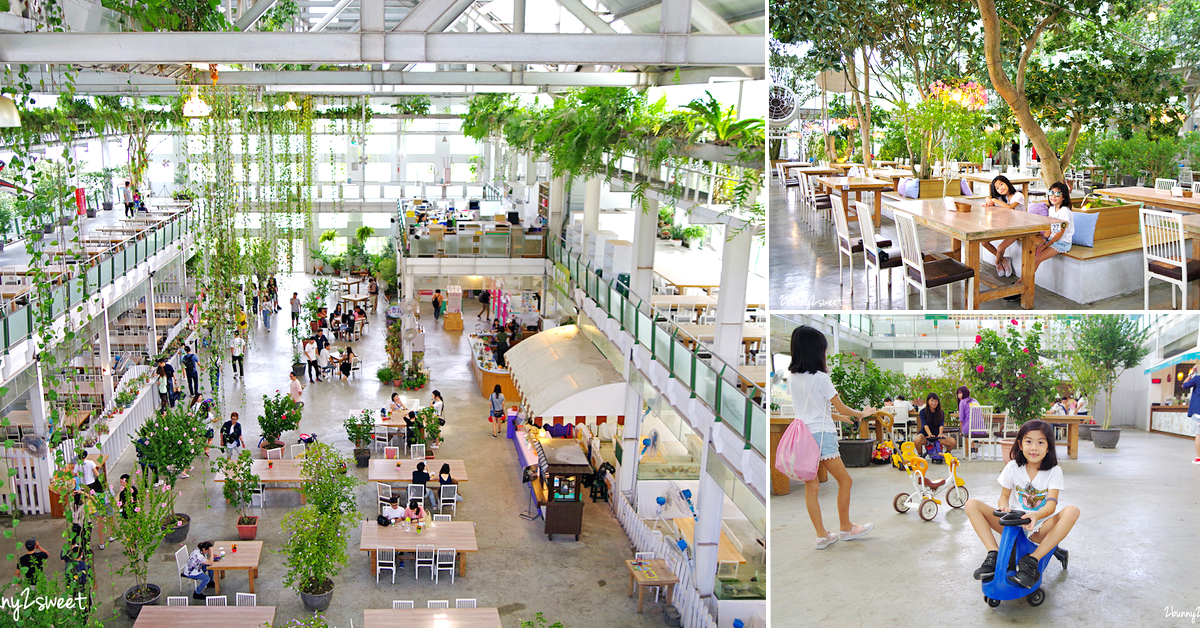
(562, 463)
(489, 373)
(1171, 420)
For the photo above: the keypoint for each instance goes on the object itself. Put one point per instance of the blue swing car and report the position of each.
(1013, 545)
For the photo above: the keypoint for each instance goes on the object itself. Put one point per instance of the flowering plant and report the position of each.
(240, 482)
(965, 93)
(280, 414)
(141, 532)
(172, 440)
(1009, 366)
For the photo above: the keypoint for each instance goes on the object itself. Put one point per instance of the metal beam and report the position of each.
(335, 48)
(371, 15)
(329, 17)
(252, 16)
(585, 15)
(432, 16)
(676, 17)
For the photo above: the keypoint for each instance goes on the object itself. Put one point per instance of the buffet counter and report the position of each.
(1171, 420)
(489, 373)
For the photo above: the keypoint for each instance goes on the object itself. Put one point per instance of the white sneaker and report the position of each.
(850, 534)
(827, 541)
(1196, 461)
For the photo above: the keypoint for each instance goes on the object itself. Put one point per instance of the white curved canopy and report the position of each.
(561, 373)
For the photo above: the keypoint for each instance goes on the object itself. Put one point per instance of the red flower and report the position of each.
(1026, 349)
(995, 384)
(1013, 321)
(978, 339)
(1021, 375)
(979, 369)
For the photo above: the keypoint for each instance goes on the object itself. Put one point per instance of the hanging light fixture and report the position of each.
(291, 104)
(194, 106)
(9, 116)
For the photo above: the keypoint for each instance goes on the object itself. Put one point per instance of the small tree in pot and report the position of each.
(1010, 371)
(170, 441)
(319, 532)
(859, 380)
(239, 488)
(431, 429)
(359, 428)
(1110, 343)
(394, 346)
(280, 414)
(138, 527)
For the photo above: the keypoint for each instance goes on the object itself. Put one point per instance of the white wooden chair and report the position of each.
(440, 518)
(1164, 249)
(416, 491)
(1195, 187)
(448, 496)
(177, 600)
(297, 451)
(1165, 184)
(391, 453)
(246, 599)
(417, 452)
(399, 605)
(216, 600)
(181, 558)
(425, 558)
(845, 246)
(445, 562)
(871, 250)
(386, 559)
(980, 431)
(464, 603)
(380, 437)
(437, 604)
(384, 493)
(925, 275)
(275, 454)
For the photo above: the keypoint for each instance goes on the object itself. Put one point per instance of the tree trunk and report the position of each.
(1012, 94)
(1069, 151)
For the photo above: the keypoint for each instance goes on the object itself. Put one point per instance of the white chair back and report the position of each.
(177, 600)
(1164, 245)
(216, 600)
(417, 452)
(275, 454)
(464, 603)
(398, 605)
(438, 604)
(1164, 184)
(298, 451)
(246, 599)
(438, 518)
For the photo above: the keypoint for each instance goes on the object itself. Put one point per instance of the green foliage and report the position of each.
(172, 15)
(394, 346)
(414, 377)
(316, 621)
(281, 15)
(327, 487)
(694, 232)
(431, 427)
(860, 381)
(319, 533)
(360, 426)
(412, 106)
(384, 374)
(280, 414)
(711, 119)
(240, 482)
(176, 437)
(1109, 344)
(539, 621)
(1010, 366)
(140, 534)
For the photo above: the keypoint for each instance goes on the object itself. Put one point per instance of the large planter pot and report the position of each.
(1085, 431)
(319, 600)
(1106, 439)
(106, 205)
(48, 228)
(1128, 181)
(397, 383)
(135, 600)
(91, 212)
(298, 369)
(362, 457)
(269, 447)
(247, 531)
(856, 452)
(177, 533)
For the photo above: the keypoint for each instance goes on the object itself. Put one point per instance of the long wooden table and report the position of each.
(244, 559)
(654, 573)
(432, 618)
(382, 470)
(984, 224)
(750, 333)
(459, 535)
(682, 282)
(1153, 197)
(891, 174)
(810, 170)
(275, 472)
(727, 554)
(205, 616)
(843, 186)
(985, 178)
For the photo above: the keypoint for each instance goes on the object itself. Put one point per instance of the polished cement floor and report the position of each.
(804, 272)
(516, 569)
(1133, 553)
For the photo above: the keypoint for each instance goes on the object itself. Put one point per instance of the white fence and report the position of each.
(31, 484)
(693, 611)
(124, 425)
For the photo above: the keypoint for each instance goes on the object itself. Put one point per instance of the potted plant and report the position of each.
(298, 363)
(169, 442)
(414, 376)
(1110, 344)
(359, 428)
(859, 381)
(239, 488)
(316, 548)
(384, 374)
(694, 233)
(431, 429)
(394, 346)
(280, 414)
(140, 534)
(676, 233)
(1008, 369)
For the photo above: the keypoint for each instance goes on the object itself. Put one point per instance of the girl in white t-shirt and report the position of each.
(1001, 193)
(812, 395)
(1034, 475)
(1058, 238)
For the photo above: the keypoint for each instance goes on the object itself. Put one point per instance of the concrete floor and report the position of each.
(804, 271)
(1139, 501)
(517, 569)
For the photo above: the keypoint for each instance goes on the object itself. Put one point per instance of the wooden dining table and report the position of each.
(983, 224)
(458, 535)
(205, 616)
(682, 281)
(750, 333)
(386, 471)
(891, 174)
(845, 167)
(1154, 198)
(488, 617)
(654, 573)
(275, 472)
(844, 186)
(810, 170)
(1021, 181)
(244, 559)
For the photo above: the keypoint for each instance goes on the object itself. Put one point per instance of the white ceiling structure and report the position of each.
(407, 47)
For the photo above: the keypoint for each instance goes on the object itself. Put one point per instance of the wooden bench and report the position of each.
(932, 188)
(1117, 231)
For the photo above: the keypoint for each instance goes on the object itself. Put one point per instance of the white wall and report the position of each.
(1131, 401)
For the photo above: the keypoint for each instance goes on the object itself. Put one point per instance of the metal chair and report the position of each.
(417, 452)
(399, 605)
(425, 558)
(391, 453)
(1164, 249)
(298, 451)
(216, 600)
(448, 496)
(181, 558)
(924, 275)
(275, 454)
(464, 603)
(177, 600)
(437, 604)
(438, 518)
(384, 493)
(386, 560)
(445, 562)
(246, 599)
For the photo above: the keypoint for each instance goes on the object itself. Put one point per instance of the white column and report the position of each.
(38, 407)
(152, 337)
(644, 237)
(709, 502)
(106, 363)
(731, 306)
(591, 208)
(407, 292)
(627, 476)
(558, 205)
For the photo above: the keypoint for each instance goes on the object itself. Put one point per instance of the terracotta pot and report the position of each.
(247, 532)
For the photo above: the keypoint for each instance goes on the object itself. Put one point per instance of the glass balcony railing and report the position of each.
(88, 278)
(736, 402)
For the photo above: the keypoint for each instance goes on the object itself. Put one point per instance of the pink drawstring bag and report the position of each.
(798, 453)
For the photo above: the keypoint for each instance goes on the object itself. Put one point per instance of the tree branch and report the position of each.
(1030, 45)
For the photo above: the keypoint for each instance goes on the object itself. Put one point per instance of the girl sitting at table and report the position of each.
(1001, 193)
(1058, 238)
(347, 363)
(415, 510)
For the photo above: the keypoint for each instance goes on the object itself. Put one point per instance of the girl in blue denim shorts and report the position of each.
(815, 400)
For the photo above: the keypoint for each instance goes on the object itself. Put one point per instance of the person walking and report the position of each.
(310, 354)
(169, 372)
(127, 198)
(237, 348)
(295, 308)
(231, 435)
(485, 302)
(191, 369)
(496, 409)
(437, 305)
(373, 290)
(267, 310)
(295, 389)
(162, 387)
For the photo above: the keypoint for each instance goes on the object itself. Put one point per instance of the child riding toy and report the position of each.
(926, 491)
(1014, 543)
